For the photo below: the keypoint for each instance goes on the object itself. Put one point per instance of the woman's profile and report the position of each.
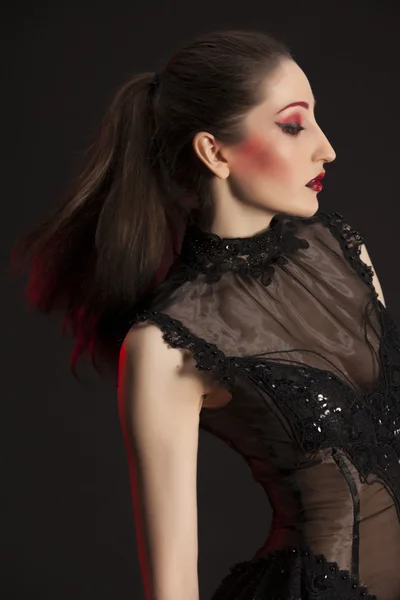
(193, 259)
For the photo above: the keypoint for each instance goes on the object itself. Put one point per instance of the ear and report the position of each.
(210, 152)
(367, 260)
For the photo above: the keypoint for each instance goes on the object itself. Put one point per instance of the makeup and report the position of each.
(303, 104)
(316, 183)
(293, 118)
(254, 154)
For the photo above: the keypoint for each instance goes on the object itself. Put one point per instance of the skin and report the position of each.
(260, 177)
(267, 172)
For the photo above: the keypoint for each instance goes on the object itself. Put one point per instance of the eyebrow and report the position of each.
(303, 104)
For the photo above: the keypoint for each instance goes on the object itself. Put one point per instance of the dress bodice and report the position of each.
(289, 322)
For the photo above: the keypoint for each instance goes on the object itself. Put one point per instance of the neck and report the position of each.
(243, 223)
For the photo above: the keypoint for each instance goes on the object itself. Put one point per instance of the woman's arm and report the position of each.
(159, 402)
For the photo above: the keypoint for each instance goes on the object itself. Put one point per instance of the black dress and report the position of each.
(289, 322)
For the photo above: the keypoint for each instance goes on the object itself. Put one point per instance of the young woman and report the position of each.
(192, 254)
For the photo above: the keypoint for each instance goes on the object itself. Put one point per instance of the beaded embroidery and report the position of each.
(367, 428)
(323, 411)
(326, 413)
(290, 574)
(212, 255)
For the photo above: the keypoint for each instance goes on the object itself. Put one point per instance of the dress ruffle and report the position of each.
(293, 573)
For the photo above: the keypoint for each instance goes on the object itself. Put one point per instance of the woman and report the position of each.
(192, 253)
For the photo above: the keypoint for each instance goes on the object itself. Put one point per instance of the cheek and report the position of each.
(257, 157)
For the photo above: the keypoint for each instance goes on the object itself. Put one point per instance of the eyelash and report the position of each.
(291, 128)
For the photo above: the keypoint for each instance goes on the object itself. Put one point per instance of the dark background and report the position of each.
(68, 529)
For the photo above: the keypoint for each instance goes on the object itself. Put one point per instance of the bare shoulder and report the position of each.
(145, 347)
(145, 353)
(145, 341)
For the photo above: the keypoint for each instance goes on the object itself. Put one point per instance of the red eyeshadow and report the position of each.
(294, 118)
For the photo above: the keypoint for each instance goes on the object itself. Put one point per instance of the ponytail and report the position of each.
(107, 245)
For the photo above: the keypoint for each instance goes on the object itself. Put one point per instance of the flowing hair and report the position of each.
(114, 237)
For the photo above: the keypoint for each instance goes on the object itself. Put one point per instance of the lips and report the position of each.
(316, 182)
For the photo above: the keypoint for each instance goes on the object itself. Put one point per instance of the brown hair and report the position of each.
(112, 239)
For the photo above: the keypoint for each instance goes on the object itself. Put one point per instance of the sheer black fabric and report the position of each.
(289, 324)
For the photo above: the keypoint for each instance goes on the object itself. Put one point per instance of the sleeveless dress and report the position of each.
(288, 321)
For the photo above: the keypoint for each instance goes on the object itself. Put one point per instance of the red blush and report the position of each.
(255, 154)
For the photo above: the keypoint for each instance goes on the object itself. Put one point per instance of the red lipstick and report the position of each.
(316, 183)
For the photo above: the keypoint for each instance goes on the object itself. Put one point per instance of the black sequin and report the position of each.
(325, 412)
(212, 255)
(293, 573)
(322, 410)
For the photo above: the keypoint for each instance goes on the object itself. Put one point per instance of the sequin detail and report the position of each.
(323, 410)
(320, 411)
(294, 573)
(207, 253)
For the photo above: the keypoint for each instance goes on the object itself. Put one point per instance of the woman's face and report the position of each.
(284, 147)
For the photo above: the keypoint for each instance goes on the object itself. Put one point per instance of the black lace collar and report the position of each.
(208, 253)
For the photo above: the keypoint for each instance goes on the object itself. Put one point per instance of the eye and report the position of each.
(291, 128)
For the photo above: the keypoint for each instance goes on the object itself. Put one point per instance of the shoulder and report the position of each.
(146, 353)
(145, 341)
(160, 346)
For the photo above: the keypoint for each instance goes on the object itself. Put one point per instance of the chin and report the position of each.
(311, 208)
(303, 209)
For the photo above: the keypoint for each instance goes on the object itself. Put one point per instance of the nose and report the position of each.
(325, 151)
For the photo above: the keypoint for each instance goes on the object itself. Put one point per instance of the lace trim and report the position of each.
(207, 355)
(325, 412)
(290, 574)
(207, 253)
(350, 241)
